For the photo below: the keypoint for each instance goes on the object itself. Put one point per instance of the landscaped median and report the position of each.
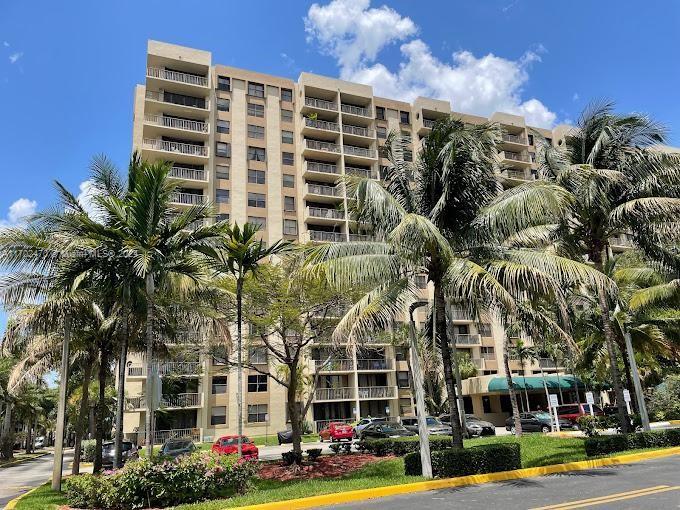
(538, 454)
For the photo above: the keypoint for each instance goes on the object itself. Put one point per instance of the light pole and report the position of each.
(636, 382)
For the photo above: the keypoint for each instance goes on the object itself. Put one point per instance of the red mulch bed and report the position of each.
(326, 466)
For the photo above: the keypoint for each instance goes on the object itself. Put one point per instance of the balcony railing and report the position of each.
(329, 237)
(357, 130)
(428, 123)
(458, 314)
(374, 364)
(514, 139)
(546, 363)
(324, 168)
(184, 337)
(489, 356)
(516, 174)
(320, 189)
(467, 339)
(329, 214)
(175, 147)
(321, 146)
(334, 365)
(355, 110)
(621, 241)
(361, 237)
(165, 74)
(181, 400)
(321, 103)
(190, 174)
(378, 392)
(196, 126)
(359, 151)
(334, 394)
(160, 96)
(169, 368)
(322, 124)
(516, 156)
(360, 172)
(138, 402)
(323, 424)
(178, 197)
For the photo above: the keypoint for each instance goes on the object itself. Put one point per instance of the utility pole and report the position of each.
(423, 435)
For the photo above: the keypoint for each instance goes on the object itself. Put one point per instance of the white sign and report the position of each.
(553, 400)
(589, 398)
(626, 396)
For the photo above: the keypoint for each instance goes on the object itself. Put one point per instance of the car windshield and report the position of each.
(176, 445)
(471, 417)
(392, 428)
(542, 416)
(432, 421)
(228, 441)
(111, 447)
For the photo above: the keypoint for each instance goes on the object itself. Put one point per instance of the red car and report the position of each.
(337, 431)
(227, 445)
(573, 412)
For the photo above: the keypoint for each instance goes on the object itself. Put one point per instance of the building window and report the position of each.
(219, 385)
(223, 149)
(257, 154)
(487, 350)
(532, 155)
(486, 404)
(485, 329)
(255, 131)
(290, 227)
(258, 221)
(222, 196)
(405, 406)
(405, 117)
(289, 204)
(380, 113)
(288, 181)
(257, 413)
(408, 155)
(286, 116)
(287, 95)
(402, 380)
(218, 415)
(381, 131)
(256, 200)
(222, 104)
(222, 217)
(548, 141)
(222, 171)
(288, 158)
(256, 176)
(286, 137)
(257, 383)
(258, 356)
(255, 89)
(223, 126)
(531, 139)
(224, 83)
(401, 353)
(255, 110)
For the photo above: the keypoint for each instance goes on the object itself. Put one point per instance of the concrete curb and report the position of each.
(393, 490)
(20, 461)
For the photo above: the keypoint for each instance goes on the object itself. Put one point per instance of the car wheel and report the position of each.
(545, 429)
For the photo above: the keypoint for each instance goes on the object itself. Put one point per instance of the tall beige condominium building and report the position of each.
(270, 151)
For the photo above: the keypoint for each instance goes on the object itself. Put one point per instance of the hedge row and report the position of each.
(451, 462)
(603, 445)
(400, 446)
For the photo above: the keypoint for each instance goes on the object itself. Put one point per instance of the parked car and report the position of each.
(573, 412)
(475, 426)
(381, 430)
(364, 422)
(39, 442)
(228, 445)
(177, 447)
(109, 452)
(337, 431)
(536, 422)
(285, 437)
(434, 425)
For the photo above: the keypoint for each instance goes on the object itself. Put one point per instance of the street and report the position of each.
(650, 484)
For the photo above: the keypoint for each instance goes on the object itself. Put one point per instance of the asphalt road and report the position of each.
(653, 484)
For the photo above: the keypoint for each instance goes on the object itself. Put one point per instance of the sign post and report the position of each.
(626, 398)
(553, 404)
(591, 402)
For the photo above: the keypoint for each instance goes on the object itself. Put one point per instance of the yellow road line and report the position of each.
(620, 498)
(589, 500)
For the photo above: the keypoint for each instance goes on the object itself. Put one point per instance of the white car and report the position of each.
(40, 442)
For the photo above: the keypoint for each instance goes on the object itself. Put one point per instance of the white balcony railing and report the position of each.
(168, 368)
(489, 356)
(458, 314)
(178, 197)
(355, 110)
(374, 364)
(190, 174)
(196, 126)
(516, 156)
(329, 214)
(334, 394)
(383, 392)
(360, 172)
(357, 130)
(321, 103)
(201, 103)
(322, 124)
(516, 174)
(320, 189)
(428, 123)
(546, 363)
(177, 76)
(138, 402)
(334, 365)
(181, 400)
(468, 339)
(175, 147)
(361, 237)
(359, 151)
(514, 139)
(321, 146)
(324, 168)
(328, 237)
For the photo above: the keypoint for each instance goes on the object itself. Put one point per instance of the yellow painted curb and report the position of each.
(13, 503)
(19, 461)
(674, 422)
(393, 490)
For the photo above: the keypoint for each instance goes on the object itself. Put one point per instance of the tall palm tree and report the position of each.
(523, 353)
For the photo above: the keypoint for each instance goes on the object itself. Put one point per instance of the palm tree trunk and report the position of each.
(29, 430)
(423, 435)
(61, 407)
(294, 410)
(118, 460)
(447, 360)
(511, 388)
(102, 409)
(82, 414)
(148, 436)
(239, 360)
(8, 452)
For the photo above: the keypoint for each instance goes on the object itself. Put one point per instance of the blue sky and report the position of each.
(67, 69)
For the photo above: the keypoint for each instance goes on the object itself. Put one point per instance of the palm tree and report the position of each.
(239, 254)
(523, 352)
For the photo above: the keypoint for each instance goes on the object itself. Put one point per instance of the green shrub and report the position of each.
(604, 445)
(589, 425)
(452, 462)
(664, 402)
(87, 449)
(335, 447)
(403, 445)
(314, 453)
(607, 422)
(362, 446)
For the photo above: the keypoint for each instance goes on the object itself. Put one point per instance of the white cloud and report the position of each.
(18, 211)
(354, 34)
(15, 56)
(575, 97)
(5, 44)
(85, 198)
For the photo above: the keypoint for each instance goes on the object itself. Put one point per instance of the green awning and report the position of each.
(566, 382)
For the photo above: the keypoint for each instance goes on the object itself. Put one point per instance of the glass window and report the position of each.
(381, 131)
(286, 116)
(256, 176)
(531, 139)
(224, 83)
(218, 415)
(408, 155)
(222, 217)
(289, 204)
(255, 110)
(222, 104)
(255, 131)
(286, 137)
(223, 149)
(258, 221)
(222, 196)
(255, 89)
(287, 95)
(380, 113)
(222, 171)
(548, 141)
(257, 154)
(257, 413)
(402, 380)
(405, 117)
(532, 156)
(290, 227)
(257, 383)
(256, 200)
(222, 126)
(219, 385)
(257, 355)
(405, 406)
(288, 181)
(288, 158)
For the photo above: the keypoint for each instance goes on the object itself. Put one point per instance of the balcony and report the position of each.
(322, 394)
(178, 197)
(138, 402)
(334, 365)
(359, 111)
(489, 356)
(188, 174)
(184, 338)
(621, 241)
(428, 123)
(361, 237)
(322, 124)
(317, 145)
(169, 368)
(321, 168)
(327, 191)
(170, 99)
(328, 214)
(177, 76)
(378, 392)
(187, 149)
(326, 237)
(519, 157)
(194, 126)
(358, 131)
(366, 173)
(517, 175)
(181, 400)
(374, 364)
(467, 339)
(321, 104)
(546, 363)
(361, 152)
(516, 139)
(458, 314)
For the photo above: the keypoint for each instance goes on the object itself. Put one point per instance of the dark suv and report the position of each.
(109, 452)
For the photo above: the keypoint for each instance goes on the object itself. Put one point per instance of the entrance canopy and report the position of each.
(566, 382)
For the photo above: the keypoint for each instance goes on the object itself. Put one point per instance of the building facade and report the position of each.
(271, 151)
